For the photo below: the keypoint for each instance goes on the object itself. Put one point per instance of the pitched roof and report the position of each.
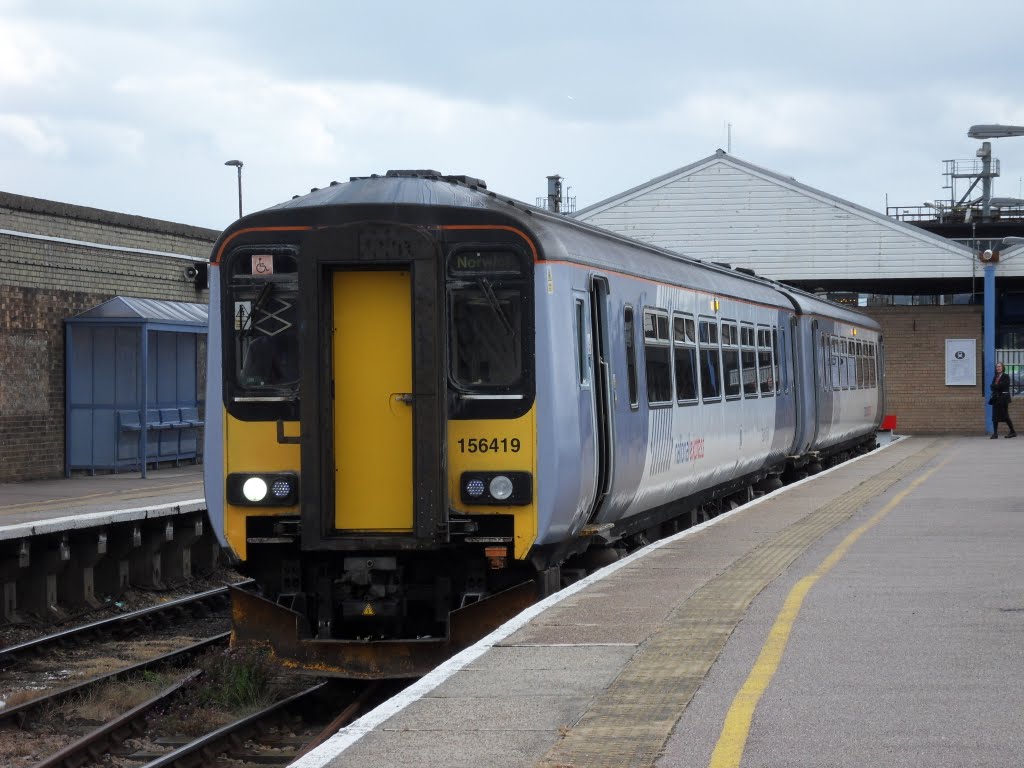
(723, 158)
(137, 311)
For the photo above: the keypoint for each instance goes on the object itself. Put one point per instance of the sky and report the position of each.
(135, 106)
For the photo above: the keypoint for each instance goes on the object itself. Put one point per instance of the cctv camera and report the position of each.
(190, 273)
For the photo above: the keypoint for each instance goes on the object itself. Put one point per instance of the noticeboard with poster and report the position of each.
(961, 362)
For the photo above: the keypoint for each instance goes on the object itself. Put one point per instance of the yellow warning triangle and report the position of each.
(368, 610)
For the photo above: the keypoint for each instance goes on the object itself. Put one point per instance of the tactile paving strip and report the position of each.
(628, 724)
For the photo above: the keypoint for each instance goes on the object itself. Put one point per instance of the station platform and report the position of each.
(69, 502)
(872, 615)
(69, 546)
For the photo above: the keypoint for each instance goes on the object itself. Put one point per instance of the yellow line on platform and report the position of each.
(733, 739)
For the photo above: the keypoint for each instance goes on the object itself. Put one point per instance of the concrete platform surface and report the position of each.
(38, 501)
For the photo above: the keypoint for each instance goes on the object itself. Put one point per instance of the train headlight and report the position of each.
(504, 488)
(260, 489)
(500, 487)
(255, 489)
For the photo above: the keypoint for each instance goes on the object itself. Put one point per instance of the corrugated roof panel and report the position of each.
(148, 310)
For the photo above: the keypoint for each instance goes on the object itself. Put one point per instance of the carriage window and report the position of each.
(487, 337)
(834, 359)
(710, 362)
(748, 357)
(840, 347)
(264, 291)
(730, 360)
(627, 322)
(657, 357)
(767, 377)
(684, 340)
(826, 375)
(858, 366)
(851, 365)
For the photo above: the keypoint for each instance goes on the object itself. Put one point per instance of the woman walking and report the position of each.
(1000, 400)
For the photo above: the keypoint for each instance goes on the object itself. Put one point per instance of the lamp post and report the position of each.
(238, 165)
(991, 131)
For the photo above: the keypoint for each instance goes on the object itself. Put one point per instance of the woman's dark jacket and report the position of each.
(1001, 387)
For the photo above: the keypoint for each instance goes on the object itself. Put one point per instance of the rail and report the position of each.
(124, 623)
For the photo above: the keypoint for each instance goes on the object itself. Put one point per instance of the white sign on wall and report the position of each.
(961, 362)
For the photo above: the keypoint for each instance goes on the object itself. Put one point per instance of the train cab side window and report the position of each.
(748, 361)
(657, 357)
(872, 370)
(766, 371)
(731, 375)
(684, 341)
(710, 360)
(582, 352)
(630, 336)
(263, 289)
(781, 369)
(487, 339)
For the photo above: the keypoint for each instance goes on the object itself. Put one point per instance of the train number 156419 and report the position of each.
(489, 445)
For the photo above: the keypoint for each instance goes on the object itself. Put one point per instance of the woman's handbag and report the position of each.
(993, 398)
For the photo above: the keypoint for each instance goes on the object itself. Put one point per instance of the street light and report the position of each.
(992, 131)
(995, 131)
(238, 164)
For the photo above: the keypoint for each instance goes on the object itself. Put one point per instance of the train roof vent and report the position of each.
(426, 173)
(469, 181)
(746, 271)
(423, 173)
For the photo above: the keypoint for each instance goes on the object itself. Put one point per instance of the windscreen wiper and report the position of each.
(495, 305)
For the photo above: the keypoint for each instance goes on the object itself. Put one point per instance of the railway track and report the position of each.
(273, 735)
(52, 668)
(47, 679)
(124, 625)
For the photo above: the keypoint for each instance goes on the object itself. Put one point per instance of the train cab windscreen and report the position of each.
(487, 298)
(263, 291)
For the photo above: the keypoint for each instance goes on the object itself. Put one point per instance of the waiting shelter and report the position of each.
(133, 382)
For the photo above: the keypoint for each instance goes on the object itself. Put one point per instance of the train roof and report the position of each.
(564, 238)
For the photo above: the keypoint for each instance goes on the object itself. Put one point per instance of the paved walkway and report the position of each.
(45, 500)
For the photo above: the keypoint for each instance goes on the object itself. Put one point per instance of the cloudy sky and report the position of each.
(134, 106)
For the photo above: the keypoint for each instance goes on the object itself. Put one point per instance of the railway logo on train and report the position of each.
(429, 403)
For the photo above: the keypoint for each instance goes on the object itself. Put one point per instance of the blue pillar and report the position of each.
(989, 359)
(144, 365)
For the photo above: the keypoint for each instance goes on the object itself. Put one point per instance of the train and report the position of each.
(422, 394)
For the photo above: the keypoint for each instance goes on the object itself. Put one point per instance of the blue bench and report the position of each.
(129, 428)
(172, 434)
(189, 444)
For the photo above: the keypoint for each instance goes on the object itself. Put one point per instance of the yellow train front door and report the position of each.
(373, 404)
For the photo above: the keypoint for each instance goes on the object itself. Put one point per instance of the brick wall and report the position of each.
(915, 369)
(44, 281)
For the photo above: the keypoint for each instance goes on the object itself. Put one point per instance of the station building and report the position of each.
(924, 288)
(56, 262)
